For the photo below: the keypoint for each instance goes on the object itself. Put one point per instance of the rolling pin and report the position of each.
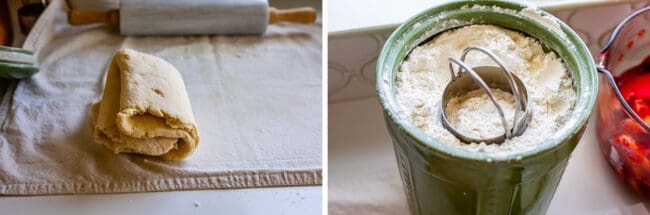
(192, 17)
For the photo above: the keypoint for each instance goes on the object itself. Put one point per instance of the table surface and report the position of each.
(282, 200)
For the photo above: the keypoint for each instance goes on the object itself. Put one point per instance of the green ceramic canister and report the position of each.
(441, 179)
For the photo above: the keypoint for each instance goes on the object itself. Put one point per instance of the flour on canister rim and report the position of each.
(424, 74)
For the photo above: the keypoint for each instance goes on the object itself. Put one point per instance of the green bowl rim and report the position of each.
(584, 106)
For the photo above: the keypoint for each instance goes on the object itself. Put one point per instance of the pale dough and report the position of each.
(145, 108)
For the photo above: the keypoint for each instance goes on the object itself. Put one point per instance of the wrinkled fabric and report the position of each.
(256, 100)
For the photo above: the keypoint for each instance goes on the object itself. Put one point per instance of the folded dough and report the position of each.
(145, 108)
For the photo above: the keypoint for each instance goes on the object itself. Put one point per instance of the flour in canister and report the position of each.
(424, 74)
(474, 115)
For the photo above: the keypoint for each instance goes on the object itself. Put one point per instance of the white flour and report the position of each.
(425, 73)
(474, 115)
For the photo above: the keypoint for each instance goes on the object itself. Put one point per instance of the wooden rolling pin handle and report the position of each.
(299, 15)
(84, 17)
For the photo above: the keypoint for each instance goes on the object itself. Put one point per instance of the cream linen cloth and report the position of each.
(256, 100)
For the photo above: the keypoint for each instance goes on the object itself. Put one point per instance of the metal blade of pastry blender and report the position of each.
(173, 17)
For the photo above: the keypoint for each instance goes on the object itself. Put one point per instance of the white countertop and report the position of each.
(284, 200)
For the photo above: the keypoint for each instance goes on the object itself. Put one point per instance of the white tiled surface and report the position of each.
(362, 166)
(346, 15)
(352, 57)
